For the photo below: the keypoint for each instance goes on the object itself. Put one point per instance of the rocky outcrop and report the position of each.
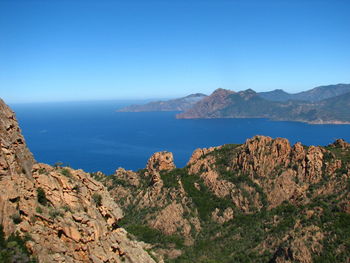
(285, 173)
(160, 161)
(225, 191)
(15, 158)
(226, 216)
(68, 216)
(164, 208)
(340, 143)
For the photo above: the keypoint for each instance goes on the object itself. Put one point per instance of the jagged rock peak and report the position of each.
(221, 91)
(14, 154)
(160, 161)
(199, 153)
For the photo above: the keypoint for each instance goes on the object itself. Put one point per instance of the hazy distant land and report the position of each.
(321, 105)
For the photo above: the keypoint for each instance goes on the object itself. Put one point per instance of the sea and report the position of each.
(93, 136)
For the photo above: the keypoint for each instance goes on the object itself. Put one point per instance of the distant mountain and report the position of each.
(180, 104)
(313, 95)
(276, 95)
(336, 109)
(249, 104)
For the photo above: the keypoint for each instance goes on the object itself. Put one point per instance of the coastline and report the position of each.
(318, 122)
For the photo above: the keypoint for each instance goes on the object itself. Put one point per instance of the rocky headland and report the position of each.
(249, 104)
(180, 104)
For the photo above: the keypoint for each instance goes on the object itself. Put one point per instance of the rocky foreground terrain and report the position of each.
(261, 201)
(55, 214)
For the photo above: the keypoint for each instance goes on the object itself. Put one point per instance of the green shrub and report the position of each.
(13, 249)
(204, 200)
(16, 218)
(66, 208)
(76, 188)
(97, 199)
(171, 178)
(42, 171)
(57, 164)
(55, 213)
(66, 172)
(154, 236)
(41, 196)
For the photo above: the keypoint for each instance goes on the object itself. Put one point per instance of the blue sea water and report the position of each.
(94, 137)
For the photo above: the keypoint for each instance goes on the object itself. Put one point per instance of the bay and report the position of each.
(94, 137)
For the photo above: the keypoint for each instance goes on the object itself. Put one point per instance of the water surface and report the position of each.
(94, 137)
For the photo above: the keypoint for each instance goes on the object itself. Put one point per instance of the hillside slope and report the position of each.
(262, 201)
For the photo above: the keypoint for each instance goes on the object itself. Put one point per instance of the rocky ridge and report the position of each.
(262, 201)
(65, 215)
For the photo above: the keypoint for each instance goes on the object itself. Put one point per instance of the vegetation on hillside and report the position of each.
(13, 249)
(261, 234)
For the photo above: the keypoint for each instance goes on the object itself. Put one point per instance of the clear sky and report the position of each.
(53, 50)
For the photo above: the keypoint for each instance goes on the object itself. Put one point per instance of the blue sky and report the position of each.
(58, 50)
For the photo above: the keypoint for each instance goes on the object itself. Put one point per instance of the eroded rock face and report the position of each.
(260, 155)
(282, 171)
(341, 143)
(252, 180)
(69, 216)
(160, 161)
(226, 216)
(15, 158)
(166, 209)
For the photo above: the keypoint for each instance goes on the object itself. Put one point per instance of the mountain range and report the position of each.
(315, 94)
(321, 105)
(249, 104)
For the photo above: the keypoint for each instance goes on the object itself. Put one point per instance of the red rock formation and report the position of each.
(69, 216)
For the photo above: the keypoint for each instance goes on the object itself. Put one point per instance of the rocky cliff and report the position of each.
(64, 214)
(262, 201)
